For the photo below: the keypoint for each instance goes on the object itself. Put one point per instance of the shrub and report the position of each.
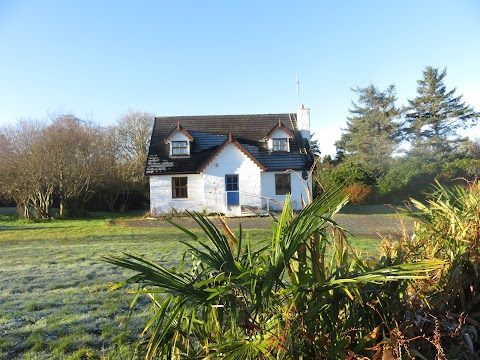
(444, 321)
(358, 193)
(449, 223)
(287, 300)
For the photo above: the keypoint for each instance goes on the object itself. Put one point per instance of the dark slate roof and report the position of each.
(212, 131)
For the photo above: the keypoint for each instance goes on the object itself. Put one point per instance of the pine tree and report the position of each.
(434, 117)
(371, 134)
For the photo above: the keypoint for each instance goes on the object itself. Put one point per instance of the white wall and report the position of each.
(298, 187)
(231, 161)
(206, 191)
(161, 201)
(178, 136)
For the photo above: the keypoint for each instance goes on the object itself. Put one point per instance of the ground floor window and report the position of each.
(282, 184)
(231, 182)
(231, 187)
(179, 187)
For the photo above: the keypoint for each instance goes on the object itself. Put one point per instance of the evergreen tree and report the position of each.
(372, 131)
(434, 117)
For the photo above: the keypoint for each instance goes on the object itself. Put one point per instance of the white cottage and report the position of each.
(229, 164)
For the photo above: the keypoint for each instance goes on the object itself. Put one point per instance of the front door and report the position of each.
(231, 189)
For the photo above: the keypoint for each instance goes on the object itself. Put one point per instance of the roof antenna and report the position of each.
(298, 89)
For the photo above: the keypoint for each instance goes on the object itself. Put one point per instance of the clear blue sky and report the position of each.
(98, 59)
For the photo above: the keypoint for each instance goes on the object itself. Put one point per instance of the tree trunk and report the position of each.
(62, 208)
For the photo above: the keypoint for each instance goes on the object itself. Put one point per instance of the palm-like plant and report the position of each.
(302, 296)
(449, 226)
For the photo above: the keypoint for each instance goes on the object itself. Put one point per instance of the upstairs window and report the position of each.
(280, 144)
(282, 184)
(179, 148)
(179, 187)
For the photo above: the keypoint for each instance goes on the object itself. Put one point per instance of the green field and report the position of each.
(54, 297)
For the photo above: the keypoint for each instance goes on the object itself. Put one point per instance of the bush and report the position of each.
(358, 193)
(303, 296)
(408, 177)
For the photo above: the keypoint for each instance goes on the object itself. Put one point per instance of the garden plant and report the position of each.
(306, 295)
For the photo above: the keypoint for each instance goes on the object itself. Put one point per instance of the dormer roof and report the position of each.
(279, 126)
(179, 129)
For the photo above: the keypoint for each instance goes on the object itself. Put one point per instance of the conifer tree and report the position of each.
(371, 134)
(434, 117)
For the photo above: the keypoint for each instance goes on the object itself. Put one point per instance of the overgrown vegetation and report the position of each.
(294, 300)
(398, 151)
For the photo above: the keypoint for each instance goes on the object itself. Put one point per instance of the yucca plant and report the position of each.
(288, 300)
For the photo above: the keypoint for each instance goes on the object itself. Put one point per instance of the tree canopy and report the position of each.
(372, 131)
(435, 115)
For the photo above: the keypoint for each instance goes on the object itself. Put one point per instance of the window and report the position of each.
(231, 182)
(179, 148)
(179, 187)
(282, 184)
(280, 144)
(231, 188)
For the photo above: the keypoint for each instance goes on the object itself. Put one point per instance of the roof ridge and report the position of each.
(220, 115)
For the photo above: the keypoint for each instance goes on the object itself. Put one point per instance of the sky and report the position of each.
(100, 59)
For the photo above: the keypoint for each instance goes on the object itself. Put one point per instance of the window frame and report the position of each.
(280, 144)
(179, 190)
(175, 145)
(234, 185)
(283, 186)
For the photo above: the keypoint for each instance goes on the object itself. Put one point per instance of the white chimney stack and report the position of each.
(303, 122)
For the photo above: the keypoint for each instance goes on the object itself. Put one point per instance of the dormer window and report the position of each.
(278, 139)
(280, 144)
(180, 148)
(179, 142)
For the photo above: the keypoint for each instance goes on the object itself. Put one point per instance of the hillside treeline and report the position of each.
(389, 153)
(74, 165)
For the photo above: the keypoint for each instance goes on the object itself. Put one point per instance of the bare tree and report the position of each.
(134, 129)
(76, 156)
(66, 161)
(70, 160)
(25, 177)
(131, 138)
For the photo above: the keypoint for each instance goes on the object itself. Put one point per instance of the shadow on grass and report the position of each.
(29, 227)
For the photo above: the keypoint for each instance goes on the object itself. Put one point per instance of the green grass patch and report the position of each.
(54, 297)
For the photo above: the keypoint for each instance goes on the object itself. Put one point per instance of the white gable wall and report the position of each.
(298, 187)
(178, 136)
(231, 160)
(161, 201)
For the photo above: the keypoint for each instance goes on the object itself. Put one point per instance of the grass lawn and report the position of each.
(54, 298)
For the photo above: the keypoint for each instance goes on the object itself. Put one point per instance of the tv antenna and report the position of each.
(298, 89)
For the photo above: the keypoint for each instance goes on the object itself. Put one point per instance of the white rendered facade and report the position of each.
(207, 192)
(232, 178)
